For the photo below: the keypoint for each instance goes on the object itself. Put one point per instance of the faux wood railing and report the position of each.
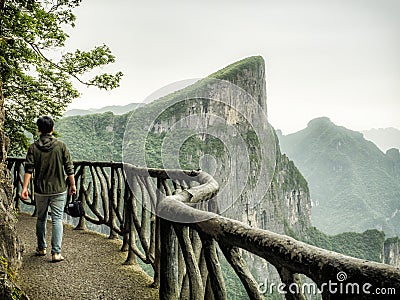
(168, 218)
(122, 197)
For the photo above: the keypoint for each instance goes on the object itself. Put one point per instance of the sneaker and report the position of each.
(40, 252)
(56, 257)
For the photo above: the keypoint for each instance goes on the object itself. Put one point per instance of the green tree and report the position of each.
(33, 83)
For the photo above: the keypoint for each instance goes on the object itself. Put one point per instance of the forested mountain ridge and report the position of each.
(96, 137)
(354, 186)
(115, 109)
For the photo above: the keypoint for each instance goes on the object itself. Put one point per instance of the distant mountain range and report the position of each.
(384, 138)
(354, 186)
(115, 109)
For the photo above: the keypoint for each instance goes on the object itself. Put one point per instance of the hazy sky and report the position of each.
(334, 58)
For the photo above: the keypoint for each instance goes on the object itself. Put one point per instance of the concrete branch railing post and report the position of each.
(173, 216)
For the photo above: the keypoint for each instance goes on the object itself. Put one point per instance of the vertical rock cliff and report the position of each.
(285, 204)
(10, 248)
(391, 252)
(220, 124)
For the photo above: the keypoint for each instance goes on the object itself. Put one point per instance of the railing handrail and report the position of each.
(283, 251)
(289, 256)
(153, 172)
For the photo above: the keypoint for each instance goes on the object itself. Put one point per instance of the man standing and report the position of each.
(51, 161)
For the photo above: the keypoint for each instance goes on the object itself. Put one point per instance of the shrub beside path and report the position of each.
(93, 268)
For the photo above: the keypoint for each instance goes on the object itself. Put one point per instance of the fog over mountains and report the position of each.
(384, 138)
(353, 184)
(115, 109)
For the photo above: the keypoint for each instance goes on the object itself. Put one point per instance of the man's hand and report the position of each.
(72, 187)
(24, 194)
(72, 190)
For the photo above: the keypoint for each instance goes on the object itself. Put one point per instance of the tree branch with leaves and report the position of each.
(33, 83)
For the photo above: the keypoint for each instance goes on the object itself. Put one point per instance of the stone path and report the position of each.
(93, 268)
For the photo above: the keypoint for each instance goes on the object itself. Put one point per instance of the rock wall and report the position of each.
(391, 252)
(10, 246)
(285, 203)
(224, 116)
(393, 161)
(290, 196)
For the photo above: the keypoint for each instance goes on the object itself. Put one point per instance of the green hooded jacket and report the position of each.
(51, 161)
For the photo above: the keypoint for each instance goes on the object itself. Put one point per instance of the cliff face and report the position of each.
(10, 247)
(220, 124)
(393, 163)
(391, 252)
(290, 187)
(284, 205)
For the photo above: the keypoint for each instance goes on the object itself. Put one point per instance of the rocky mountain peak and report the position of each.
(321, 121)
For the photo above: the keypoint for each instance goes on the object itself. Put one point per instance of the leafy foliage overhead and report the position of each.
(33, 82)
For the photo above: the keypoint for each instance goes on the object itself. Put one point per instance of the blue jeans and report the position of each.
(56, 203)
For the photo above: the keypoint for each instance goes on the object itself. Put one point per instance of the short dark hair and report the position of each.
(45, 124)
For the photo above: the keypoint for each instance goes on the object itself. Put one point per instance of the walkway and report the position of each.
(93, 268)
